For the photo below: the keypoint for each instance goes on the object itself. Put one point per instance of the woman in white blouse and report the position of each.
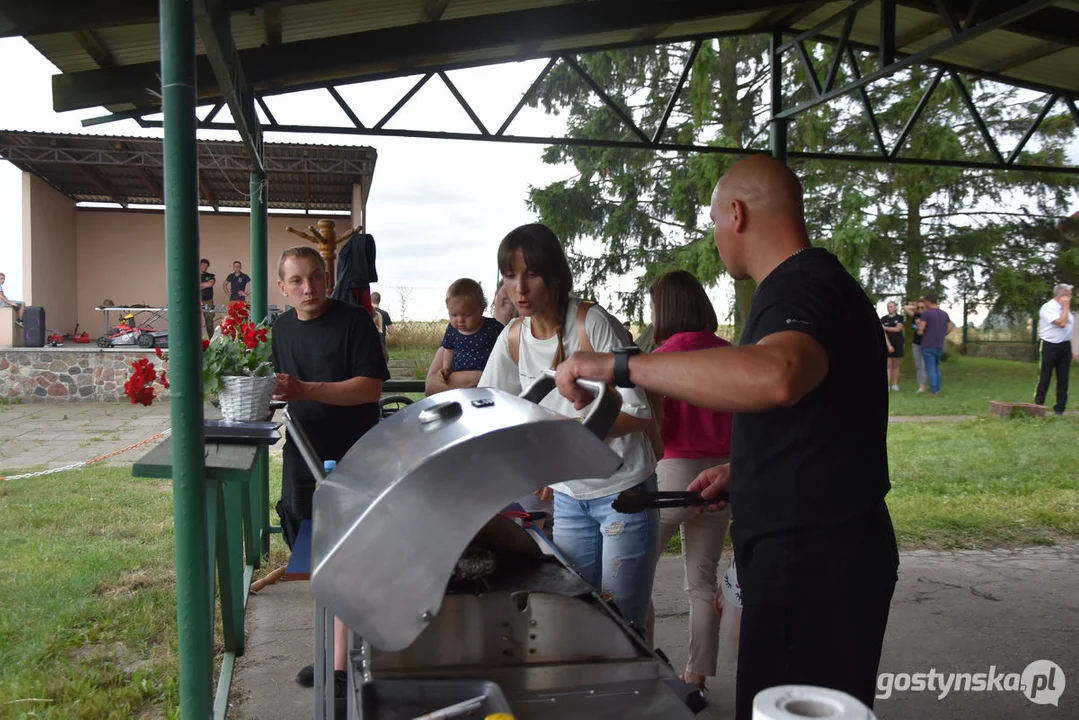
(614, 552)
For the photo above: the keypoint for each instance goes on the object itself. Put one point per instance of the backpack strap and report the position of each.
(515, 340)
(585, 345)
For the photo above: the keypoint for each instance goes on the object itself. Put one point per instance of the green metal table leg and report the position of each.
(230, 569)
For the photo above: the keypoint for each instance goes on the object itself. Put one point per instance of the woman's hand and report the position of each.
(545, 494)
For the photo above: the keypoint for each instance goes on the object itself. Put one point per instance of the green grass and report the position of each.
(967, 386)
(422, 357)
(87, 596)
(984, 482)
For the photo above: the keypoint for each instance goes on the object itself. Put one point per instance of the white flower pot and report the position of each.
(246, 399)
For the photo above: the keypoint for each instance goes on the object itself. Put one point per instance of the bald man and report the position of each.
(813, 540)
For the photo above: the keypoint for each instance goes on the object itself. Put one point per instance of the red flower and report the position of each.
(205, 344)
(157, 351)
(164, 379)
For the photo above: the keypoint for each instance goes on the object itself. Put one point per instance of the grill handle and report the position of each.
(605, 409)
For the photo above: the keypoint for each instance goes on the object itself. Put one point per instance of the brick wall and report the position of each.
(69, 374)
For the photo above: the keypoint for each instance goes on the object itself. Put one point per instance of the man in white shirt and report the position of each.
(1056, 326)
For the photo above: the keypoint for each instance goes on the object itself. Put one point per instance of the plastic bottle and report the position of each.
(328, 466)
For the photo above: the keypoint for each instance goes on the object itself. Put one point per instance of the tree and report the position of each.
(903, 229)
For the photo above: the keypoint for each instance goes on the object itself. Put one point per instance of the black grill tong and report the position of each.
(635, 501)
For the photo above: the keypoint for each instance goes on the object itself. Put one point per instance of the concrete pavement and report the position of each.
(953, 612)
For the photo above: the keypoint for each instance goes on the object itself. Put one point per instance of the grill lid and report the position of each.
(391, 521)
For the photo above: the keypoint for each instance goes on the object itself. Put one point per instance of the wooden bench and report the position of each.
(1009, 409)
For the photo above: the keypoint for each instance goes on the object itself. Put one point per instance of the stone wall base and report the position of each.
(70, 374)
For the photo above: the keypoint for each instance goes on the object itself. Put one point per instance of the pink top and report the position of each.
(688, 431)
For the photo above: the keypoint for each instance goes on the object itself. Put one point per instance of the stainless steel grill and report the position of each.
(529, 636)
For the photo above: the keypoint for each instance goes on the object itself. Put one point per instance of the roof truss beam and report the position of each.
(413, 46)
(215, 28)
(1020, 10)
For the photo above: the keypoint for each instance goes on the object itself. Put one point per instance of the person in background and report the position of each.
(893, 327)
(5, 301)
(330, 371)
(614, 552)
(694, 439)
(237, 282)
(914, 312)
(629, 333)
(383, 323)
(470, 337)
(934, 326)
(207, 280)
(1056, 327)
(815, 547)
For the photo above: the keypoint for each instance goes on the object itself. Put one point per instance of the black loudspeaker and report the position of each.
(33, 320)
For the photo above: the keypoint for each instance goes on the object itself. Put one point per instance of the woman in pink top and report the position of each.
(693, 440)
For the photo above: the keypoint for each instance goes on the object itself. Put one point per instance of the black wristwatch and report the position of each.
(621, 365)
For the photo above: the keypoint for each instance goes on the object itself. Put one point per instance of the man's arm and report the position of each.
(209, 283)
(1065, 311)
(778, 371)
(951, 326)
(354, 391)
(921, 326)
(227, 286)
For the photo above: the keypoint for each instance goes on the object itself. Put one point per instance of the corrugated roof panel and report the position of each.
(703, 27)
(984, 51)
(472, 8)
(580, 41)
(341, 17)
(131, 44)
(63, 51)
(1061, 68)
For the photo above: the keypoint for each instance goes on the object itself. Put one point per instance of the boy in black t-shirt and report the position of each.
(813, 541)
(330, 370)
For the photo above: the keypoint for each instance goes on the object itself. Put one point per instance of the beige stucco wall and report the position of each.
(48, 258)
(121, 256)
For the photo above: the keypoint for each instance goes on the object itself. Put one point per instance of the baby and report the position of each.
(470, 337)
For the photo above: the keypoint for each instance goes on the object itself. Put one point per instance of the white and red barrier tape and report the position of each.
(76, 466)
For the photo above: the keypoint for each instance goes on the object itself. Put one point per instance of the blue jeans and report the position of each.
(932, 366)
(614, 552)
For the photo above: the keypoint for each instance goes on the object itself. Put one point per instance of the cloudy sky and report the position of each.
(437, 209)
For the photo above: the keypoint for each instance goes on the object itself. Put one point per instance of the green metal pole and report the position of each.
(194, 608)
(259, 245)
(778, 127)
(260, 195)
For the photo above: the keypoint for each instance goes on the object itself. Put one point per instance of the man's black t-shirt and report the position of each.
(237, 285)
(338, 345)
(801, 474)
(206, 294)
(892, 321)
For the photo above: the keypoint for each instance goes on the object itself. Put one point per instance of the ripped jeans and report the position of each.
(614, 552)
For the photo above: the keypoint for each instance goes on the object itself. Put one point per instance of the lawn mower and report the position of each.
(129, 332)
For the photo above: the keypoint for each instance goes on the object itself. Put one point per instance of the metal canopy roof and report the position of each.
(128, 170)
(108, 52)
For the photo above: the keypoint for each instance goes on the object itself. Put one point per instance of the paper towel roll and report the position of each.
(797, 702)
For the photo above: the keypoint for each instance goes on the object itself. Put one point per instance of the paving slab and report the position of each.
(953, 612)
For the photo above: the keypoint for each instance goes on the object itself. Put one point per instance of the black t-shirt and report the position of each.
(338, 345)
(237, 285)
(206, 294)
(800, 475)
(382, 322)
(896, 338)
(914, 323)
